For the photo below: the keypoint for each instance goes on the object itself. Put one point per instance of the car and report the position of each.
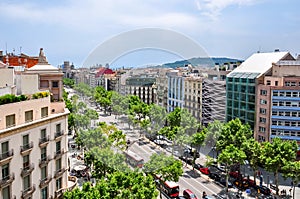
(188, 194)
(240, 184)
(214, 176)
(198, 166)
(222, 181)
(204, 170)
(263, 189)
(235, 174)
(250, 182)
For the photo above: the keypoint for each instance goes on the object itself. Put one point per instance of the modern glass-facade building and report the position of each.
(240, 90)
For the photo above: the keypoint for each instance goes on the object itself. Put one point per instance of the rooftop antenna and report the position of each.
(20, 50)
(6, 48)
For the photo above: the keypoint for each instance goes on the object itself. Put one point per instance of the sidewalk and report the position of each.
(268, 179)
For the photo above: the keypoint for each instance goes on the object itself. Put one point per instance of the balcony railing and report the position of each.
(27, 170)
(58, 134)
(44, 140)
(6, 155)
(44, 161)
(74, 180)
(59, 172)
(7, 180)
(45, 181)
(58, 153)
(26, 147)
(59, 193)
(28, 191)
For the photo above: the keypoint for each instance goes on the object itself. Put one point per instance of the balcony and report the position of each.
(59, 172)
(26, 193)
(58, 134)
(26, 148)
(6, 155)
(7, 180)
(44, 182)
(26, 170)
(44, 161)
(44, 141)
(59, 193)
(58, 153)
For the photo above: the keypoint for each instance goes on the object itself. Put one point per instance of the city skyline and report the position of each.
(70, 30)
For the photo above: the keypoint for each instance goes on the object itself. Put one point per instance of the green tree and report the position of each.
(277, 154)
(167, 167)
(69, 82)
(292, 170)
(230, 156)
(197, 141)
(119, 185)
(253, 151)
(234, 132)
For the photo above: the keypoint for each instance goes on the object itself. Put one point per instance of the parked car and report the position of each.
(214, 176)
(188, 194)
(204, 170)
(235, 174)
(222, 181)
(240, 184)
(198, 166)
(263, 189)
(250, 182)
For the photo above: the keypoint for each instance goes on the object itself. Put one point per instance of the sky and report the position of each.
(70, 30)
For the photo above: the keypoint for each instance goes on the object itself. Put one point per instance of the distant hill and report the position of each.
(201, 61)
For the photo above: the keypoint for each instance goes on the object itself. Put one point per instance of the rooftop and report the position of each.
(260, 62)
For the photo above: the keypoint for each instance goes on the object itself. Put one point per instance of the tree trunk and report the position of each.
(276, 182)
(294, 190)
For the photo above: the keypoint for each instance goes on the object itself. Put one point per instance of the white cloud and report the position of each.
(213, 8)
(90, 14)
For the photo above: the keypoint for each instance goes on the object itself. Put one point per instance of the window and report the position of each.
(293, 83)
(288, 103)
(262, 101)
(276, 83)
(10, 120)
(44, 112)
(58, 146)
(295, 94)
(294, 114)
(55, 84)
(43, 173)
(43, 153)
(28, 116)
(281, 93)
(58, 128)
(58, 184)
(6, 192)
(263, 92)
(5, 171)
(25, 161)
(262, 120)
(275, 103)
(26, 183)
(287, 83)
(262, 111)
(288, 94)
(268, 82)
(25, 140)
(275, 93)
(262, 129)
(58, 164)
(44, 193)
(4, 147)
(43, 133)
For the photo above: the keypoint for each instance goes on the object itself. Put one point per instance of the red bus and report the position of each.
(133, 159)
(169, 188)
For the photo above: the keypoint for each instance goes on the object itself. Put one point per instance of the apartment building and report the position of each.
(175, 90)
(278, 102)
(193, 96)
(33, 135)
(242, 83)
(142, 86)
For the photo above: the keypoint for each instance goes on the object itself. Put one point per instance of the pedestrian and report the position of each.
(204, 195)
